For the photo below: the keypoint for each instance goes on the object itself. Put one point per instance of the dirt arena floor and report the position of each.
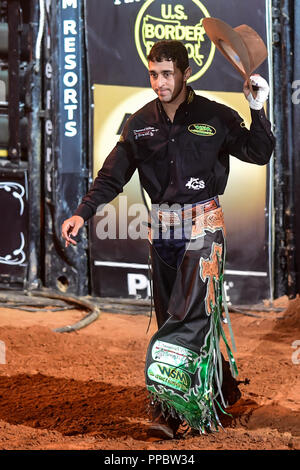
(85, 390)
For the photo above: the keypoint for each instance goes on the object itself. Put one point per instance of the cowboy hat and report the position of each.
(242, 46)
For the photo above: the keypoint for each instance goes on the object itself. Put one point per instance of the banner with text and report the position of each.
(119, 38)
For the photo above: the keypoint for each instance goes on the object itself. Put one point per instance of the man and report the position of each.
(180, 143)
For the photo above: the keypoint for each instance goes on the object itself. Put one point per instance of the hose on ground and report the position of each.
(53, 301)
(45, 297)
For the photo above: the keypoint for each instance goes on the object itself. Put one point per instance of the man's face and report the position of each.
(166, 80)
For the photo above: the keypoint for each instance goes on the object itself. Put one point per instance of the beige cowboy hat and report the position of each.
(242, 46)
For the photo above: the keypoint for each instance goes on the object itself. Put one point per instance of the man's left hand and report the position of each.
(262, 93)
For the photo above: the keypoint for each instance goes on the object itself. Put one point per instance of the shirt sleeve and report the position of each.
(116, 171)
(254, 145)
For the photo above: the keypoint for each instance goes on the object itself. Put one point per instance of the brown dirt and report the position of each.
(85, 389)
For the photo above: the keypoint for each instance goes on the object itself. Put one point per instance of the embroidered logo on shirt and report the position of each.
(146, 132)
(195, 183)
(202, 129)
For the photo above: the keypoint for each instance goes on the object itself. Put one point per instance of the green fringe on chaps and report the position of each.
(200, 404)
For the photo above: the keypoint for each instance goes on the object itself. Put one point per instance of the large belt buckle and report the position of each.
(169, 218)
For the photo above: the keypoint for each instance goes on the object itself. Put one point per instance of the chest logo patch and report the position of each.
(202, 129)
(146, 132)
(195, 183)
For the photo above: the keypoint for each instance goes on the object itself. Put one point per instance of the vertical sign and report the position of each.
(48, 105)
(70, 82)
(65, 183)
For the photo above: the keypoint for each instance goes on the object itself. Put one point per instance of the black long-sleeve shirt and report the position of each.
(184, 161)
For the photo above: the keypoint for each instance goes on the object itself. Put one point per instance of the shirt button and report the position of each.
(172, 140)
(172, 161)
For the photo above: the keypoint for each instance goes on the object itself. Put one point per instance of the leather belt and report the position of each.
(176, 217)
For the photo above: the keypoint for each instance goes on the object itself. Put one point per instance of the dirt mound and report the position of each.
(291, 317)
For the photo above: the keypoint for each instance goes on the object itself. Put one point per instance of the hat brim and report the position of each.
(231, 45)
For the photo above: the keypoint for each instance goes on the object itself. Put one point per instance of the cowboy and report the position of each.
(183, 165)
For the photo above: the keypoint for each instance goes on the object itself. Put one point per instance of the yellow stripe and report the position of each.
(3, 153)
(190, 97)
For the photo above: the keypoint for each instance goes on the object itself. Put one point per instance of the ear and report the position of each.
(187, 73)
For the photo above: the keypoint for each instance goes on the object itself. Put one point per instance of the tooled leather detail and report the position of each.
(212, 221)
(210, 268)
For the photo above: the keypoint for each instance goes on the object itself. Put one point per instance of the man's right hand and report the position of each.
(70, 227)
(257, 102)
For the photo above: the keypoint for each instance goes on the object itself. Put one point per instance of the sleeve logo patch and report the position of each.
(202, 129)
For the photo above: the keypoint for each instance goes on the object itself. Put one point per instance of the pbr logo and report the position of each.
(159, 20)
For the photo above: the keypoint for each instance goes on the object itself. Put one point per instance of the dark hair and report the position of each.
(170, 50)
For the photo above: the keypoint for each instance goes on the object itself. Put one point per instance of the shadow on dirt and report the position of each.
(249, 414)
(72, 407)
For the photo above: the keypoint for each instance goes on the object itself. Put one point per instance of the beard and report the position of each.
(176, 92)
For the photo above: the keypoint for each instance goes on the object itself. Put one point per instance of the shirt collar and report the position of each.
(188, 100)
(190, 95)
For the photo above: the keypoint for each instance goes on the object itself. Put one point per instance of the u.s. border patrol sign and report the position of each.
(160, 20)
